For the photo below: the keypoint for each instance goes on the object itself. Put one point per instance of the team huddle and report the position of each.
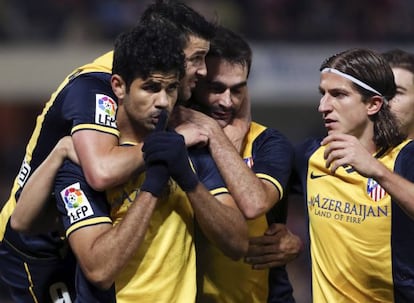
(146, 180)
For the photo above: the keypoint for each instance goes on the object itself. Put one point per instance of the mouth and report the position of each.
(220, 115)
(157, 117)
(329, 123)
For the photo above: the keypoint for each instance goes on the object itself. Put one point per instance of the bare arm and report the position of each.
(253, 196)
(104, 162)
(103, 250)
(220, 220)
(347, 150)
(32, 213)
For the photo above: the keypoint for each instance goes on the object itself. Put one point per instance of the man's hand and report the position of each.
(344, 150)
(276, 247)
(169, 148)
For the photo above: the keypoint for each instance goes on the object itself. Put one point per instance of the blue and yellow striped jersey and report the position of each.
(164, 268)
(270, 155)
(361, 241)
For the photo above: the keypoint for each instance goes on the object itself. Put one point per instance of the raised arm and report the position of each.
(254, 196)
(33, 212)
(218, 216)
(104, 162)
(345, 149)
(103, 249)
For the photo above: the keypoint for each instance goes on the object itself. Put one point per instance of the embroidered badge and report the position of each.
(374, 190)
(76, 203)
(105, 110)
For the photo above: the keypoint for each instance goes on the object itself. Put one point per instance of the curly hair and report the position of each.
(143, 50)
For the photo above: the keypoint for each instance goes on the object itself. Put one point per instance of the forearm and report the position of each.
(223, 225)
(400, 189)
(32, 212)
(105, 163)
(114, 168)
(111, 251)
(247, 189)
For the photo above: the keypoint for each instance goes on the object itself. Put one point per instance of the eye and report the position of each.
(172, 88)
(216, 88)
(152, 87)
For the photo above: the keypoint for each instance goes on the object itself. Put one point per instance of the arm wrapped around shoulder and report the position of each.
(169, 148)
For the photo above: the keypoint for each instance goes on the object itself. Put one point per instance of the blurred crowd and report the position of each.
(286, 20)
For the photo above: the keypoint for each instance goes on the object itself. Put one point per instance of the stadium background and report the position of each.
(42, 41)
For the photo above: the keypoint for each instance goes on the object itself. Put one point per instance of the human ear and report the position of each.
(374, 105)
(118, 86)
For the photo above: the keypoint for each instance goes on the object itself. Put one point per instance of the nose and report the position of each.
(324, 104)
(225, 98)
(202, 69)
(163, 99)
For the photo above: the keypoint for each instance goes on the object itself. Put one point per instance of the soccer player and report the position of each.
(353, 180)
(149, 251)
(34, 267)
(402, 105)
(255, 162)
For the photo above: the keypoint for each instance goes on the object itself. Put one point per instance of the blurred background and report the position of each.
(42, 41)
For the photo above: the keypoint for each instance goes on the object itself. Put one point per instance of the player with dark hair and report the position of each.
(148, 254)
(353, 180)
(402, 105)
(255, 162)
(95, 138)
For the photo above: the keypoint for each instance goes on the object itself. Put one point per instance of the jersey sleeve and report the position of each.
(89, 103)
(405, 162)
(78, 204)
(207, 171)
(273, 158)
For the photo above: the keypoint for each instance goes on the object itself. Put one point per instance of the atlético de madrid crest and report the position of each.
(374, 190)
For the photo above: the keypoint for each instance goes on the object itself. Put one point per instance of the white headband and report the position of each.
(353, 79)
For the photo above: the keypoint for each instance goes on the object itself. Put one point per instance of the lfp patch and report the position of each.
(105, 110)
(76, 203)
(374, 190)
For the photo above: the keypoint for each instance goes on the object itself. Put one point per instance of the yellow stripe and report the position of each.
(31, 286)
(104, 129)
(255, 130)
(219, 191)
(101, 64)
(93, 221)
(273, 181)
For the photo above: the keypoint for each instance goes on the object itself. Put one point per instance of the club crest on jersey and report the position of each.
(76, 203)
(249, 161)
(374, 190)
(105, 110)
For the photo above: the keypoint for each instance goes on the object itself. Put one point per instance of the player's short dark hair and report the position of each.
(186, 20)
(401, 59)
(231, 47)
(144, 50)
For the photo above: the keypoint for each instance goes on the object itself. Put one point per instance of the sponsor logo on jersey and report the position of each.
(249, 161)
(24, 173)
(346, 211)
(374, 190)
(76, 203)
(105, 110)
(316, 176)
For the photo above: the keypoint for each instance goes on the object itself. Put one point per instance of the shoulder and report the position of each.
(261, 134)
